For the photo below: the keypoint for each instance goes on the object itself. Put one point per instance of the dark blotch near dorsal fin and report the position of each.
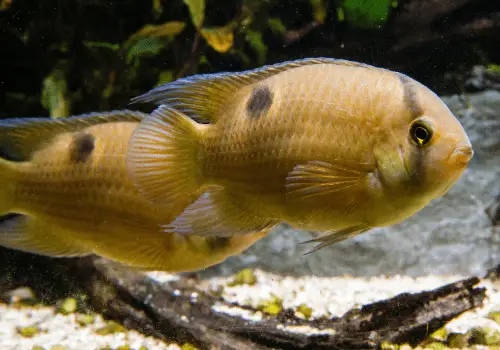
(410, 96)
(82, 146)
(218, 243)
(260, 101)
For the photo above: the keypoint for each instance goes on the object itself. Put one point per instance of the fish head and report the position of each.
(423, 149)
(438, 149)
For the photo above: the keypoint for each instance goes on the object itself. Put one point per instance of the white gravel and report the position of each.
(325, 296)
(58, 329)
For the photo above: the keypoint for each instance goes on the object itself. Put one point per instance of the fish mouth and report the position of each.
(461, 155)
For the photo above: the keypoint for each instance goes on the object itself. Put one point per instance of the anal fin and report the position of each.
(217, 213)
(334, 236)
(30, 235)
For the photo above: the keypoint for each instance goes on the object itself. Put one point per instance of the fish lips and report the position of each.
(461, 155)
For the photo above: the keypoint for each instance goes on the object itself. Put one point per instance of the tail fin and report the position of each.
(7, 177)
(163, 156)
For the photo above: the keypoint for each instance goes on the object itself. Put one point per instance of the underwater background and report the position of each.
(66, 57)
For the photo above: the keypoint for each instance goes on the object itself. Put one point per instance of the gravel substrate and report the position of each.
(325, 296)
(24, 328)
(313, 297)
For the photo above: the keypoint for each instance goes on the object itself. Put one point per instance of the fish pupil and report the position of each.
(420, 135)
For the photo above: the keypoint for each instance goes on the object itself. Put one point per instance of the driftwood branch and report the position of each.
(178, 310)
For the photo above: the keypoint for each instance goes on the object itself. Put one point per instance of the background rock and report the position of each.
(452, 235)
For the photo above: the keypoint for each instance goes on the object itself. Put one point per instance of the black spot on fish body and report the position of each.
(81, 147)
(410, 96)
(218, 243)
(259, 102)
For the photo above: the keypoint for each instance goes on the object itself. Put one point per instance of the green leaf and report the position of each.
(197, 11)
(144, 47)
(54, 93)
(276, 26)
(101, 44)
(493, 68)
(367, 14)
(219, 38)
(157, 8)
(257, 44)
(340, 14)
(319, 10)
(203, 60)
(165, 77)
(165, 30)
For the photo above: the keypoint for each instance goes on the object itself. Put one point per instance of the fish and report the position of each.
(65, 193)
(331, 146)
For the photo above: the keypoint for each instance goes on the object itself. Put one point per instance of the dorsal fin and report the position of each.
(20, 137)
(203, 96)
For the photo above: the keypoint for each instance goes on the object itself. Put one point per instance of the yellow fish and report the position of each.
(331, 146)
(66, 188)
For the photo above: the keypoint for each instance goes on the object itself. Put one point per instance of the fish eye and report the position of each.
(420, 134)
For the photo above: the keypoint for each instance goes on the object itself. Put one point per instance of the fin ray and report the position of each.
(215, 213)
(162, 158)
(317, 178)
(335, 236)
(33, 236)
(203, 96)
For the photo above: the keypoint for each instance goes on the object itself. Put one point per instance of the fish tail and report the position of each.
(7, 183)
(164, 154)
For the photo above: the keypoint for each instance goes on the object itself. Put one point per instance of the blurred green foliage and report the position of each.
(54, 95)
(367, 14)
(76, 56)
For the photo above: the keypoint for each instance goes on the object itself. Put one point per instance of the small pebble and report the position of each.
(435, 346)
(68, 306)
(440, 335)
(84, 320)
(495, 316)
(305, 311)
(23, 295)
(388, 346)
(58, 347)
(110, 328)
(458, 340)
(273, 306)
(28, 332)
(245, 276)
(123, 347)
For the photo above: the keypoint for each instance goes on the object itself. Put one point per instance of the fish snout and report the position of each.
(461, 155)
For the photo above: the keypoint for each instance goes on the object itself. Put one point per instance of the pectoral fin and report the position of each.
(335, 236)
(33, 236)
(317, 178)
(217, 213)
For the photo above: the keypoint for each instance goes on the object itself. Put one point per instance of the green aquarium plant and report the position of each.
(365, 14)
